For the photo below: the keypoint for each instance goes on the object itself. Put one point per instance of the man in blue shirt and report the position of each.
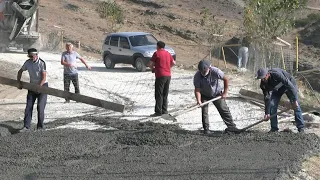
(274, 83)
(37, 70)
(206, 83)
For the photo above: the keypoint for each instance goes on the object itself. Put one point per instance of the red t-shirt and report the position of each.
(162, 60)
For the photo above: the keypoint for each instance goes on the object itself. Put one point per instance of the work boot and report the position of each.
(301, 130)
(155, 115)
(273, 130)
(40, 128)
(232, 129)
(206, 131)
(24, 129)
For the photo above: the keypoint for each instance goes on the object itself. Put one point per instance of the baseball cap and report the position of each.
(261, 73)
(203, 64)
(32, 51)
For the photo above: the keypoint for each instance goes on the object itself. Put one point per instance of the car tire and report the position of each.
(108, 62)
(139, 64)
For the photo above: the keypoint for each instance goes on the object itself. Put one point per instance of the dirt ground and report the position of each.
(151, 151)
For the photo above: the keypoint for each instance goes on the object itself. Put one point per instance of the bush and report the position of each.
(72, 7)
(110, 10)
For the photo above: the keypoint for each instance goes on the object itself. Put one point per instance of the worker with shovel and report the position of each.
(274, 83)
(207, 87)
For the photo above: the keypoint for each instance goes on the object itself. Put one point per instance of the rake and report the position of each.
(172, 117)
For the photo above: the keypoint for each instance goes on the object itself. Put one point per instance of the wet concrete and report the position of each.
(150, 151)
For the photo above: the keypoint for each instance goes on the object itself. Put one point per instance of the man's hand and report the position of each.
(88, 67)
(199, 102)
(224, 95)
(267, 117)
(71, 65)
(19, 85)
(294, 105)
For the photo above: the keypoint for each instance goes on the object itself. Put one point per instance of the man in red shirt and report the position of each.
(161, 63)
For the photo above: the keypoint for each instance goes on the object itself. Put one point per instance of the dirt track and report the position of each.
(150, 151)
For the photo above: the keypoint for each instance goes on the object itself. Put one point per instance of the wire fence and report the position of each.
(136, 89)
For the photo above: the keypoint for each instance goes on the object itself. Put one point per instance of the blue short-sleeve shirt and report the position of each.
(209, 84)
(35, 70)
(70, 58)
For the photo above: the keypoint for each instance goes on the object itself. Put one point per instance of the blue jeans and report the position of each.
(274, 102)
(42, 101)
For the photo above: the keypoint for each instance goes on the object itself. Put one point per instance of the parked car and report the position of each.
(135, 48)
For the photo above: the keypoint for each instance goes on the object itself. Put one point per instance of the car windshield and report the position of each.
(143, 40)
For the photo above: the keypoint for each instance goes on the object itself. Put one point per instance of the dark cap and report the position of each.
(32, 51)
(261, 73)
(203, 64)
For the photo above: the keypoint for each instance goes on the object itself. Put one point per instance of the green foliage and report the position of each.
(311, 18)
(111, 11)
(270, 18)
(212, 26)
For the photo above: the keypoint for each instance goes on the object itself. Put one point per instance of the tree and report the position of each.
(111, 11)
(267, 19)
(214, 29)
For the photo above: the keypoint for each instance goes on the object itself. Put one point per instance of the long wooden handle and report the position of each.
(64, 94)
(197, 106)
(256, 123)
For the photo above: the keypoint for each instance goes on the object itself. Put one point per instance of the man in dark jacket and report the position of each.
(274, 83)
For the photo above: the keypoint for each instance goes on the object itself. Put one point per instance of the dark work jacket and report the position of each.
(279, 79)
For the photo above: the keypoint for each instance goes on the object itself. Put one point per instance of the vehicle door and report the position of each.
(114, 49)
(125, 51)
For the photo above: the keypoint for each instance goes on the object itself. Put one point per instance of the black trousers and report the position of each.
(41, 104)
(161, 94)
(223, 110)
(67, 79)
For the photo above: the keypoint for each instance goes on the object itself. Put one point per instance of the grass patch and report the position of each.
(72, 7)
(111, 11)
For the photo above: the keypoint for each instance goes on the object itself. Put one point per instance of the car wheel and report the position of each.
(139, 64)
(108, 63)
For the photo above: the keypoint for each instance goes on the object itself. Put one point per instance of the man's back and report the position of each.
(162, 61)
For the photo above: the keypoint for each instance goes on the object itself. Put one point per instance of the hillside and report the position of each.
(175, 22)
(178, 23)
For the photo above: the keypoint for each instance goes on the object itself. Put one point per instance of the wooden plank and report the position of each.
(259, 97)
(64, 94)
(313, 8)
(283, 41)
(308, 71)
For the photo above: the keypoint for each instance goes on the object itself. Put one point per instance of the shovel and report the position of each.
(256, 123)
(173, 117)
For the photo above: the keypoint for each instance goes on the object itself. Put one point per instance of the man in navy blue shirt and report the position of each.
(37, 70)
(274, 83)
(207, 87)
